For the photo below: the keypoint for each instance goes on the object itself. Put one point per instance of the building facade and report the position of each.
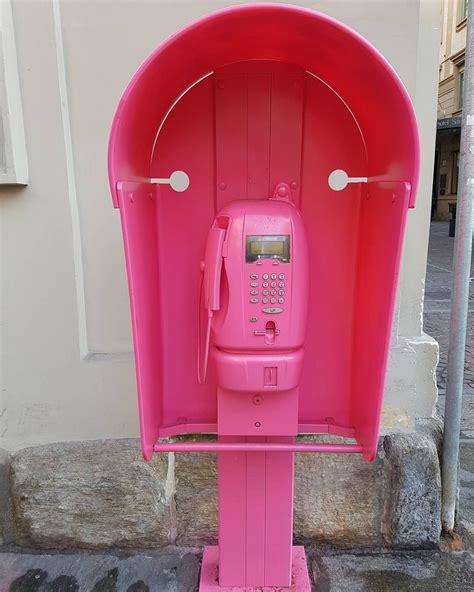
(450, 96)
(67, 379)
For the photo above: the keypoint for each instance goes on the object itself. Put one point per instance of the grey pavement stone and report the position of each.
(407, 572)
(90, 494)
(467, 414)
(466, 481)
(413, 500)
(165, 572)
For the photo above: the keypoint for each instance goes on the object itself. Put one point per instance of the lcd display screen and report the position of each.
(267, 247)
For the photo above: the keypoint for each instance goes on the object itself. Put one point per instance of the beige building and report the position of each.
(450, 95)
(67, 379)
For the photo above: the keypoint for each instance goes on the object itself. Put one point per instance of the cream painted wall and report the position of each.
(66, 362)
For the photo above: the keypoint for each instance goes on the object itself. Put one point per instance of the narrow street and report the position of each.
(436, 324)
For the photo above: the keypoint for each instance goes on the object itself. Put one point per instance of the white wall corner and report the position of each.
(411, 390)
(13, 156)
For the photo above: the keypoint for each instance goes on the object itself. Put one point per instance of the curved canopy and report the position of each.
(335, 54)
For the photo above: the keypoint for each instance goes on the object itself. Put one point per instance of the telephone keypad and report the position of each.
(274, 295)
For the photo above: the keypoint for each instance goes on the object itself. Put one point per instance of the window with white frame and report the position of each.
(13, 159)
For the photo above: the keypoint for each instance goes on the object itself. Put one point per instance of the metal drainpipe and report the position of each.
(460, 294)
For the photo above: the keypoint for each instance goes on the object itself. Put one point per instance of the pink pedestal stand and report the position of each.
(209, 574)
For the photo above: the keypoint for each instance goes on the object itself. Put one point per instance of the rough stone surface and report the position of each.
(392, 572)
(169, 571)
(196, 496)
(413, 486)
(338, 498)
(6, 522)
(90, 494)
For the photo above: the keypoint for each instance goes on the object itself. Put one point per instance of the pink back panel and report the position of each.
(137, 209)
(331, 220)
(183, 221)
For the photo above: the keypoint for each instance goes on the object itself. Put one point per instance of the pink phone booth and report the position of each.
(263, 160)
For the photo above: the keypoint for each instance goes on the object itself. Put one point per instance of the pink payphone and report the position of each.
(256, 275)
(263, 192)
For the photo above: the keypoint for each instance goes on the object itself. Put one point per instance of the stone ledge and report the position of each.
(89, 494)
(413, 499)
(102, 494)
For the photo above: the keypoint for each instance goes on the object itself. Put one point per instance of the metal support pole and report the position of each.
(460, 294)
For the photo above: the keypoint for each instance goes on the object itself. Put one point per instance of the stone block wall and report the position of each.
(101, 494)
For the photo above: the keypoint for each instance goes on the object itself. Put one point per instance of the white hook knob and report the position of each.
(339, 179)
(179, 181)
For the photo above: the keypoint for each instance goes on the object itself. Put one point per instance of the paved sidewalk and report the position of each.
(174, 571)
(436, 324)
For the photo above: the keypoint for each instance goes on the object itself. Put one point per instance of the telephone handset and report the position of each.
(211, 268)
(259, 246)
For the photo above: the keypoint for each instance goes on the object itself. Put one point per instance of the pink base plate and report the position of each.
(209, 574)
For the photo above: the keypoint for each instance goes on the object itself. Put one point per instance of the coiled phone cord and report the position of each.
(202, 369)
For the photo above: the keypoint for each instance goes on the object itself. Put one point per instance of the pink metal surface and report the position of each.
(255, 516)
(253, 447)
(210, 569)
(277, 104)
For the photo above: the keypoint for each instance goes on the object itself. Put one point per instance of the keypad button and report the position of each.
(265, 292)
(265, 284)
(254, 284)
(282, 276)
(265, 276)
(259, 263)
(254, 300)
(281, 284)
(274, 276)
(275, 263)
(264, 300)
(281, 300)
(273, 300)
(281, 292)
(273, 284)
(254, 292)
(254, 276)
(272, 310)
(273, 292)
(253, 319)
